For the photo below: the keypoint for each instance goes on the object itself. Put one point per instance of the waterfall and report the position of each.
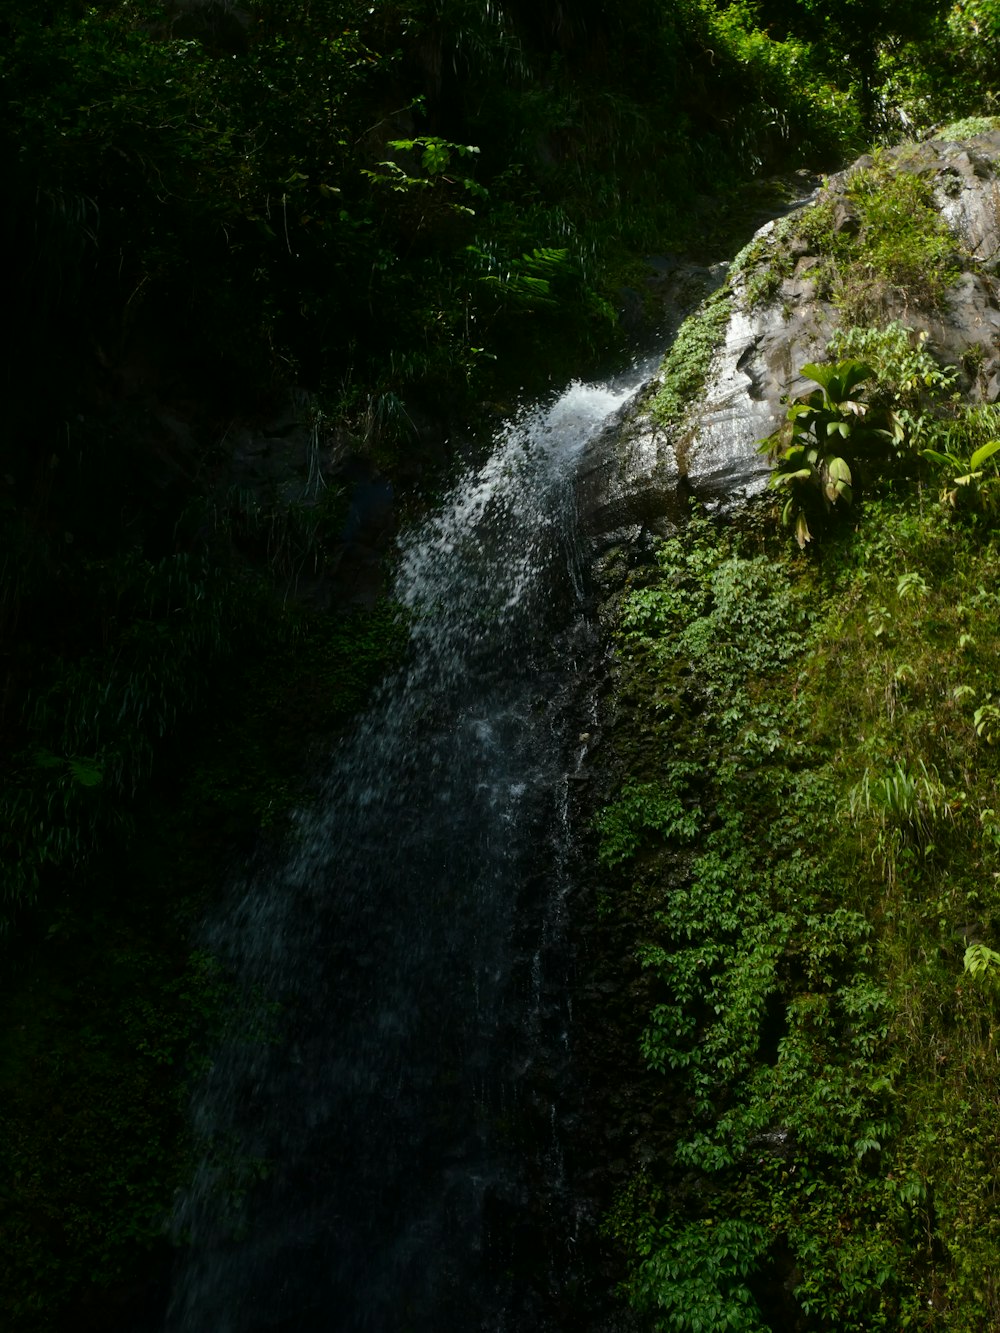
(356, 1172)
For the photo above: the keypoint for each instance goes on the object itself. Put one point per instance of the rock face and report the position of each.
(637, 477)
(294, 466)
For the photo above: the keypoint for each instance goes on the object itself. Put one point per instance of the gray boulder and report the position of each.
(638, 475)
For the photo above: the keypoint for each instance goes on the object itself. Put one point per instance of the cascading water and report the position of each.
(387, 1116)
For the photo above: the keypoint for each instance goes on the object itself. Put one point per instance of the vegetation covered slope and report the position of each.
(806, 841)
(802, 852)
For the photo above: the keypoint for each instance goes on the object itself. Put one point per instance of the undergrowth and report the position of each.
(881, 246)
(810, 824)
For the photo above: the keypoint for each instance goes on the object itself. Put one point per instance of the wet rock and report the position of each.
(775, 1143)
(288, 459)
(628, 484)
(637, 478)
(678, 285)
(845, 219)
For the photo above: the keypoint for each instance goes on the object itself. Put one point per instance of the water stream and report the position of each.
(373, 1169)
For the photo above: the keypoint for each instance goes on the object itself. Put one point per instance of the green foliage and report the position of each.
(805, 464)
(859, 39)
(311, 676)
(91, 725)
(885, 247)
(159, 722)
(833, 431)
(92, 1121)
(435, 158)
(694, 1279)
(687, 362)
(986, 720)
(905, 375)
(968, 127)
(818, 1026)
(531, 281)
(790, 76)
(953, 74)
(970, 486)
(982, 962)
(135, 134)
(346, 243)
(95, 1112)
(906, 245)
(413, 208)
(644, 808)
(912, 802)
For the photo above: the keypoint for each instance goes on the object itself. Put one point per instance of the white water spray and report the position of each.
(348, 1169)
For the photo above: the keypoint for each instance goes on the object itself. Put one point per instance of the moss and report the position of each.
(903, 254)
(881, 243)
(768, 260)
(810, 847)
(685, 366)
(968, 128)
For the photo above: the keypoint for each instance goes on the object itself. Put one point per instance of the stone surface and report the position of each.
(286, 460)
(637, 477)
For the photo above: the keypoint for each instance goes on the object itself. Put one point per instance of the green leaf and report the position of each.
(981, 455)
(981, 960)
(796, 453)
(837, 380)
(786, 478)
(838, 481)
(948, 460)
(821, 374)
(86, 772)
(839, 470)
(46, 759)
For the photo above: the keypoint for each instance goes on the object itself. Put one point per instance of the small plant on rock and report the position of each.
(982, 963)
(907, 381)
(808, 447)
(970, 487)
